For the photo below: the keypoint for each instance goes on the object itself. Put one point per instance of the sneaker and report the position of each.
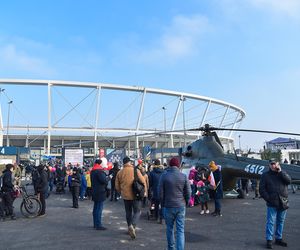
(202, 212)
(131, 232)
(269, 244)
(207, 211)
(101, 228)
(280, 242)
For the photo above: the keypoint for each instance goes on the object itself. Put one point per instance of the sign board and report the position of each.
(116, 155)
(6, 161)
(73, 156)
(8, 151)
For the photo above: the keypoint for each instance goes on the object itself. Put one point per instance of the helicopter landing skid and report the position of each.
(231, 194)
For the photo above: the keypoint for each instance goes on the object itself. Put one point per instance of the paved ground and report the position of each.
(241, 227)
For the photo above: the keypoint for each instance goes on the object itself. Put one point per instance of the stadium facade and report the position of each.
(51, 114)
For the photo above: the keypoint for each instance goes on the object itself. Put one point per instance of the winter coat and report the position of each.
(192, 176)
(174, 188)
(99, 182)
(124, 181)
(144, 174)
(154, 177)
(203, 192)
(273, 184)
(114, 171)
(7, 181)
(75, 179)
(88, 180)
(42, 182)
(83, 183)
(218, 192)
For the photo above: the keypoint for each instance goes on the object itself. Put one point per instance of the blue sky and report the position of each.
(243, 52)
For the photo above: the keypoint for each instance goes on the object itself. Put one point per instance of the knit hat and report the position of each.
(174, 162)
(213, 166)
(140, 161)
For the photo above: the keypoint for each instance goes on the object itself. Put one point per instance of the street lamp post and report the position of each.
(7, 142)
(1, 120)
(240, 142)
(165, 122)
(183, 117)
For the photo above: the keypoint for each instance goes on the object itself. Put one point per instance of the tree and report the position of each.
(267, 154)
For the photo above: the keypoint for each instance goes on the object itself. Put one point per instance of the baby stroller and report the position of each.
(151, 211)
(60, 186)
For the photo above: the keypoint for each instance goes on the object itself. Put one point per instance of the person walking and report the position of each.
(75, 186)
(114, 195)
(140, 166)
(217, 193)
(154, 178)
(99, 182)
(42, 187)
(175, 192)
(123, 185)
(7, 190)
(273, 189)
(83, 185)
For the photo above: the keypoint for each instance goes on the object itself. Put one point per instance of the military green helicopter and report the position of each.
(209, 148)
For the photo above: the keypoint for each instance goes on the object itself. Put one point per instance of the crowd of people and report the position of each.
(165, 186)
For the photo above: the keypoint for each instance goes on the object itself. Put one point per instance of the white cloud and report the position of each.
(15, 59)
(290, 8)
(178, 40)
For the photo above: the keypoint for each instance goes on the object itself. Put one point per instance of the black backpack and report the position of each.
(138, 187)
(35, 176)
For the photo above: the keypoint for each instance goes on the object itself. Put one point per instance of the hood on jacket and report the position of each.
(97, 167)
(158, 169)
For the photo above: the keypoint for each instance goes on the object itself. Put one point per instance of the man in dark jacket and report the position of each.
(42, 187)
(273, 189)
(7, 190)
(175, 192)
(75, 186)
(154, 177)
(99, 182)
(114, 195)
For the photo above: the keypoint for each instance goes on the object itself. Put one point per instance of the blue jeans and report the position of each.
(82, 192)
(278, 216)
(97, 213)
(217, 205)
(171, 215)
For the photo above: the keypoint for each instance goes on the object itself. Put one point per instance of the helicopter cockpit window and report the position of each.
(188, 152)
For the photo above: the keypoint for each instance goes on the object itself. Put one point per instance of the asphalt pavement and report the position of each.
(242, 226)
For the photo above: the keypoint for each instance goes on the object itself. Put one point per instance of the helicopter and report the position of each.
(209, 148)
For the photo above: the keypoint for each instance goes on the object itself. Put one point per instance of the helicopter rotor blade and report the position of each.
(256, 131)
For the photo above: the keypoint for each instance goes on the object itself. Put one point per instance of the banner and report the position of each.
(116, 155)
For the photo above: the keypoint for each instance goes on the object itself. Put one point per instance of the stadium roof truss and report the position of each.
(101, 109)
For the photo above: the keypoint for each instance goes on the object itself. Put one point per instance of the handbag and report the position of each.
(283, 202)
(137, 187)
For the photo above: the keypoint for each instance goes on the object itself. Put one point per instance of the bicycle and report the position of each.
(30, 206)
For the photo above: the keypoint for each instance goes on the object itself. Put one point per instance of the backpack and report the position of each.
(137, 187)
(35, 176)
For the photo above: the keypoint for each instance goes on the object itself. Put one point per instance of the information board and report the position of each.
(73, 156)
